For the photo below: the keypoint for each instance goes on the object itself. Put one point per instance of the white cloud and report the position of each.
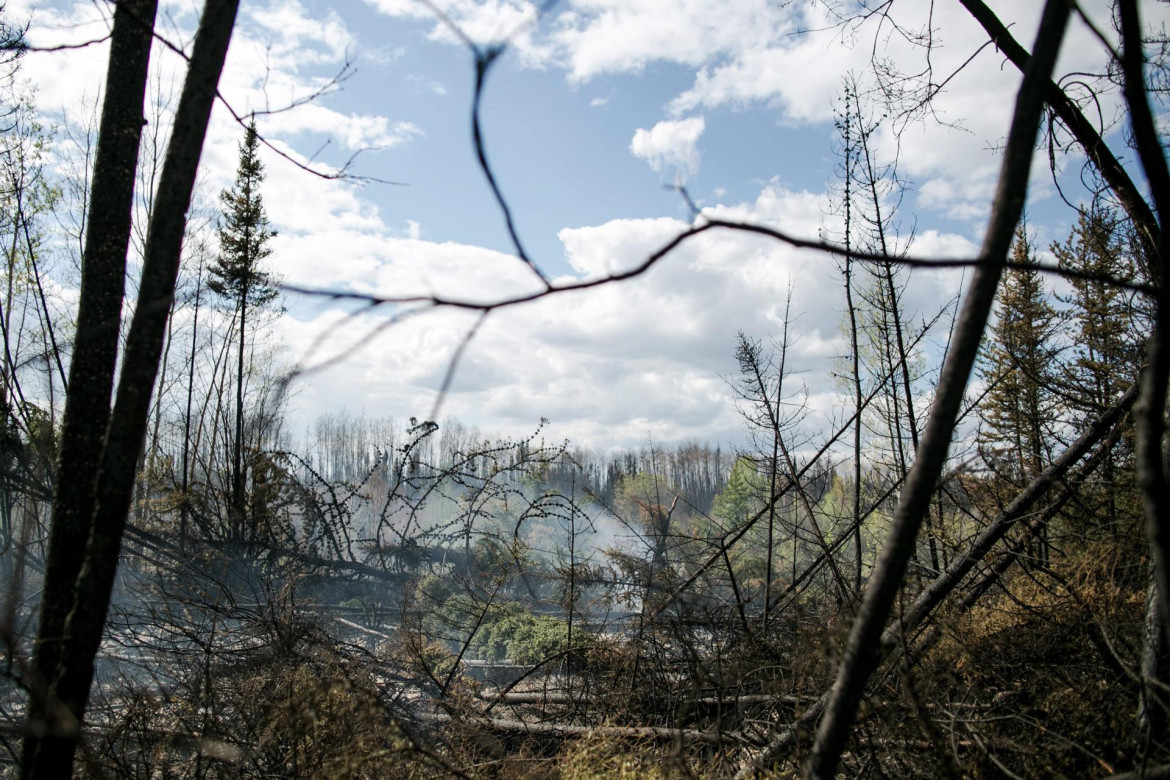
(421, 83)
(484, 22)
(792, 58)
(671, 146)
(293, 39)
(614, 364)
(610, 366)
(613, 36)
(353, 131)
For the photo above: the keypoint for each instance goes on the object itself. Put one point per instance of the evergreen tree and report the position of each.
(1105, 357)
(746, 489)
(1019, 368)
(237, 276)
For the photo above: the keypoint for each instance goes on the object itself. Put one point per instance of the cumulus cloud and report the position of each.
(610, 366)
(671, 146)
(295, 39)
(791, 58)
(621, 362)
(352, 131)
(623, 36)
(482, 21)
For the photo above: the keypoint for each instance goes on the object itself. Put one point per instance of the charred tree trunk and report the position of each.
(82, 597)
(862, 650)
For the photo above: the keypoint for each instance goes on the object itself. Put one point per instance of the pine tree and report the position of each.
(237, 276)
(1019, 368)
(1105, 358)
(744, 494)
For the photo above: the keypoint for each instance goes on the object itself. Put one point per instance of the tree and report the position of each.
(1019, 370)
(390, 517)
(884, 342)
(844, 125)
(741, 497)
(861, 652)
(773, 420)
(237, 276)
(649, 500)
(1105, 357)
(31, 357)
(99, 444)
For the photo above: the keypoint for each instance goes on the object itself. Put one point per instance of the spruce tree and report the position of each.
(746, 489)
(1105, 358)
(1019, 367)
(237, 276)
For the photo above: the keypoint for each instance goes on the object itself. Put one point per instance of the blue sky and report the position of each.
(597, 107)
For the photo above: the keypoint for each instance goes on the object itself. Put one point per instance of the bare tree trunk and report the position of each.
(185, 507)
(51, 743)
(55, 707)
(50, 332)
(862, 650)
(854, 347)
(1151, 409)
(151, 443)
(237, 508)
(211, 473)
(772, 473)
(1152, 705)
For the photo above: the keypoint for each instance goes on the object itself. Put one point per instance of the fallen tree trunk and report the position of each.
(561, 697)
(573, 731)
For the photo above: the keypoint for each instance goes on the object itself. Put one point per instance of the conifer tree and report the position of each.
(1018, 407)
(1106, 354)
(1105, 358)
(746, 489)
(238, 277)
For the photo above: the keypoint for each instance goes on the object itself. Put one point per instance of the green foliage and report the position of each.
(492, 559)
(433, 590)
(744, 494)
(1106, 355)
(651, 500)
(503, 630)
(514, 632)
(1019, 367)
(644, 494)
(244, 234)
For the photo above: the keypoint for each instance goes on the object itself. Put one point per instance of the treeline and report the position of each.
(341, 447)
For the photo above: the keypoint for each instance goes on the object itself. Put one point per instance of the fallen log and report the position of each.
(575, 731)
(562, 697)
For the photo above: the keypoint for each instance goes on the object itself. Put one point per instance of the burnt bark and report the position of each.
(862, 651)
(52, 742)
(54, 711)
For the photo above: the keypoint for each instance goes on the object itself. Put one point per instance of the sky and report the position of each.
(593, 115)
